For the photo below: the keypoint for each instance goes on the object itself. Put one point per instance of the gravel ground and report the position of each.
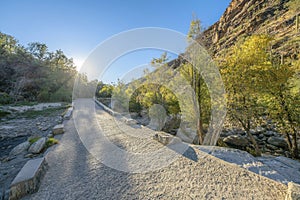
(75, 174)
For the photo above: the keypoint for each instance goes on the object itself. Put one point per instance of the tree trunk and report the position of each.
(200, 132)
(294, 150)
(247, 127)
(289, 141)
(253, 141)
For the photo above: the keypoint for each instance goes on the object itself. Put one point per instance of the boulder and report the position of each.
(58, 129)
(187, 135)
(38, 146)
(19, 149)
(236, 141)
(278, 142)
(68, 113)
(28, 179)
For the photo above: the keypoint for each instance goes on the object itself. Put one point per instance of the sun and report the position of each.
(78, 61)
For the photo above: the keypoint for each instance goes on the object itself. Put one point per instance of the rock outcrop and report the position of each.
(247, 17)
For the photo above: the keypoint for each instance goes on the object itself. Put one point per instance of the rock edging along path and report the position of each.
(75, 174)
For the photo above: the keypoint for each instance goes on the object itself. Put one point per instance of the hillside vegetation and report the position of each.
(33, 73)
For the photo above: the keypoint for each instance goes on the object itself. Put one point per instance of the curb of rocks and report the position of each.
(122, 118)
(29, 177)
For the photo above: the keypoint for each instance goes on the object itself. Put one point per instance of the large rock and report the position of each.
(19, 149)
(38, 146)
(278, 142)
(165, 138)
(187, 135)
(68, 113)
(58, 129)
(293, 192)
(236, 141)
(28, 179)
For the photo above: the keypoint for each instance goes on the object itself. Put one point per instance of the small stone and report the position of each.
(278, 142)
(272, 147)
(30, 155)
(38, 146)
(281, 151)
(264, 139)
(50, 135)
(44, 128)
(19, 149)
(261, 136)
(130, 121)
(269, 133)
(236, 140)
(260, 129)
(58, 129)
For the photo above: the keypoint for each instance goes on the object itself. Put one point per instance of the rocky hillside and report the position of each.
(246, 17)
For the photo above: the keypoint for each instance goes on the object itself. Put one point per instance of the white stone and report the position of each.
(38, 146)
(27, 180)
(68, 113)
(19, 149)
(58, 129)
(166, 139)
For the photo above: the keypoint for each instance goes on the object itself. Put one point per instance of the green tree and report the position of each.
(243, 83)
(197, 81)
(283, 100)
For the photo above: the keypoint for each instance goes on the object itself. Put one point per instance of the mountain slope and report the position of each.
(246, 17)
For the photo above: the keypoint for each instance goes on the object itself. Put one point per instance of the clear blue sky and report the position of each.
(78, 26)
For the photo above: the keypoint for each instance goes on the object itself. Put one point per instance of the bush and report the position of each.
(43, 96)
(51, 141)
(5, 98)
(33, 140)
(3, 113)
(61, 95)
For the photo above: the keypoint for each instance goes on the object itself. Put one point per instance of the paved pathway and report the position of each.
(75, 174)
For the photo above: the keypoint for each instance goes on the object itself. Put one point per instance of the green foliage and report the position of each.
(51, 141)
(195, 28)
(5, 98)
(33, 73)
(156, 62)
(106, 91)
(257, 87)
(3, 113)
(33, 140)
(45, 112)
(244, 83)
(149, 94)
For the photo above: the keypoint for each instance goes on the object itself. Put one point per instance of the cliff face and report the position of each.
(246, 17)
